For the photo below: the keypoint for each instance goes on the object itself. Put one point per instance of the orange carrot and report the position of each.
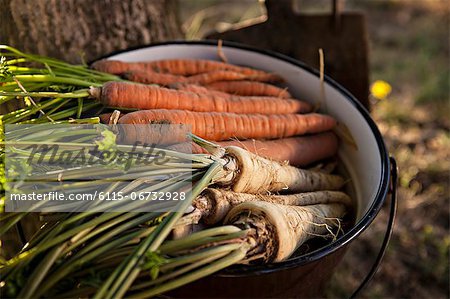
(205, 90)
(216, 126)
(110, 117)
(187, 67)
(140, 96)
(184, 67)
(298, 151)
(117, 67)
(153, 77)
(226, 75)
(199, 89)
(105, 118)
(249, 88)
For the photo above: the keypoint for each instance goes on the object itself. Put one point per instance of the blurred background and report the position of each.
(410, 87)
(408, 82)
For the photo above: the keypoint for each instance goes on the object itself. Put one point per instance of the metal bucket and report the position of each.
(372, 172)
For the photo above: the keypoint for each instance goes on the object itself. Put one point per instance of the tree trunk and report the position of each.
(79, 31)
(83, 30)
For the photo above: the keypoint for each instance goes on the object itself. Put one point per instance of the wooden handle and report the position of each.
(338, 6)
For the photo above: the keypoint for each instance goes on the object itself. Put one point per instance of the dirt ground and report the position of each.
(409, 49)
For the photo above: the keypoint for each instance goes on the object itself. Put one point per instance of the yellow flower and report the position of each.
(380, 89)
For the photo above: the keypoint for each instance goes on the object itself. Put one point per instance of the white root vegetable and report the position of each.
(184, 230)
(214, 204)
(278, 230)
(249, 173)
(245, 172)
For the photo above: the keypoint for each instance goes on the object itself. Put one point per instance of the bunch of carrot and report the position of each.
(251, 136)
(219, 100)
(225, 103)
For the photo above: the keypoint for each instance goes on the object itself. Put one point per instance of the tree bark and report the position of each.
(80, 31)
(83, 30)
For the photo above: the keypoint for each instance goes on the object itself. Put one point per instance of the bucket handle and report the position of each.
(389, 228)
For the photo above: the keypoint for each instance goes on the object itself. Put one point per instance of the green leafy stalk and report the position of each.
(230, 259)
(192, 261)
(27, 76)
(124, 275)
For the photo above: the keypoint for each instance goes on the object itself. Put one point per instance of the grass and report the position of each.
(410, 51)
